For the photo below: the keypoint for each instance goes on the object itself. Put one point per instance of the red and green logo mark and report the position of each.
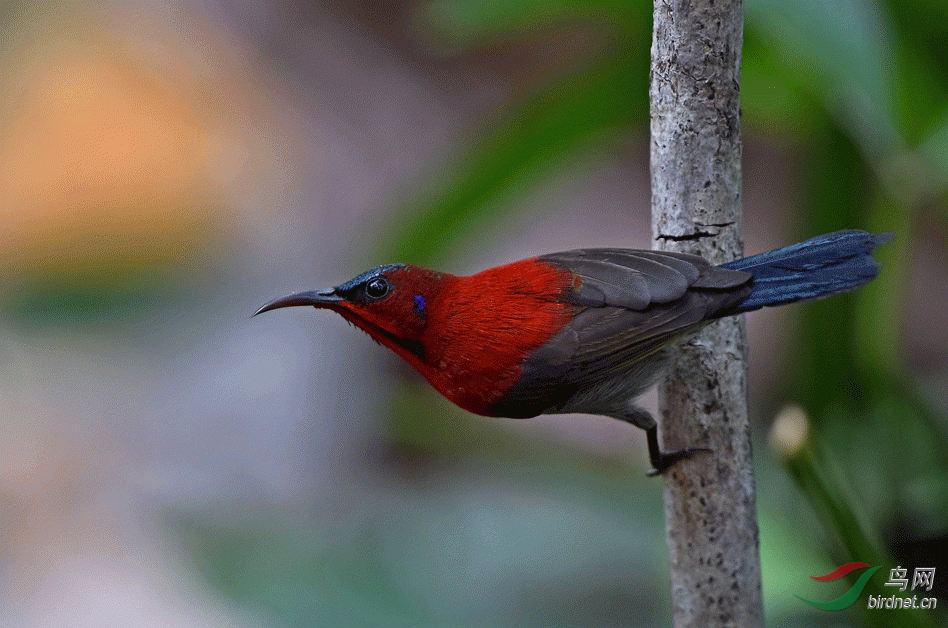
(847, 598)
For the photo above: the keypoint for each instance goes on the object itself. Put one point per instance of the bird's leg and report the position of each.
(661, 460)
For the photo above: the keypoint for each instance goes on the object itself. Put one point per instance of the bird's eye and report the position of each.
(377, 288)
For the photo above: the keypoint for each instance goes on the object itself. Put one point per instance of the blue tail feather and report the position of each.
(821, 266)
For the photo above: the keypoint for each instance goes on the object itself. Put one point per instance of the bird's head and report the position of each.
(391, 303)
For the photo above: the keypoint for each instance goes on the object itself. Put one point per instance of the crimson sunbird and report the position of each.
(583, 331)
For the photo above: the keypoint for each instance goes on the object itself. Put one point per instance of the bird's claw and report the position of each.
(665, 460)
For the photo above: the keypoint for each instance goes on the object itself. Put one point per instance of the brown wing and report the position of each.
(632, 304)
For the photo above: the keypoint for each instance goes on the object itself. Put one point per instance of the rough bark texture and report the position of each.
(696, 208)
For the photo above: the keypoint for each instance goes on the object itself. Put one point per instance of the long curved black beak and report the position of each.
(315, 298)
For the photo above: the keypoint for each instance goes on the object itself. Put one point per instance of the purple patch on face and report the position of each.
(419, 304)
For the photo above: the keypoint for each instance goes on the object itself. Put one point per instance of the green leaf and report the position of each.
(846, 52)
(935, 149)
(460, 24)
(590, 109)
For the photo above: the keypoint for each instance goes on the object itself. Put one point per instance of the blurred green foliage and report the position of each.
(859, 90)
(814, 74)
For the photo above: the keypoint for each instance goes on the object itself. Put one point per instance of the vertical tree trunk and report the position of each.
(696, 208)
